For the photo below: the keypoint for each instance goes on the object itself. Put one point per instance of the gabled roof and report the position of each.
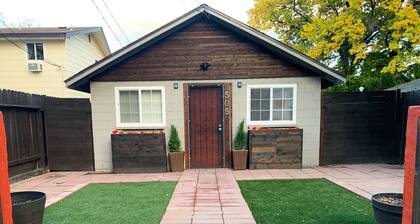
(408, 86)
(47, 31)
(80, 81)
(56, 32)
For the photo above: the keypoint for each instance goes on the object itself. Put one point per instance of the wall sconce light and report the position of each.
(204, 66)
(175, 85)
(239, 84)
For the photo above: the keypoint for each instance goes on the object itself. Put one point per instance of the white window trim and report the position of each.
(140, 124)
(27, 50)
(270, 122)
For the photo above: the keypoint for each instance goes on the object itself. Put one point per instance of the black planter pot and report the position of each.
(28, 207)
(386, 213)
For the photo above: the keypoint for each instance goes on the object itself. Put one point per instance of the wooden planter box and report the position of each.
(278, 148)
(138, 153)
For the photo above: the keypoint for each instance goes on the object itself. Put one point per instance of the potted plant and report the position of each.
(240, 152)
(388, 208)
(176, 156)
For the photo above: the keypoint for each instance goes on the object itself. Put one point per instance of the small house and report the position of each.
(205, 72)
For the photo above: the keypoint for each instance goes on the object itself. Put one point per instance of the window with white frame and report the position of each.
(271, 104)
(35, 51)
(140, 107)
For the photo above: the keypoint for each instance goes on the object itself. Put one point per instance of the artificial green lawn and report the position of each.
(305, 201)
(113, 203)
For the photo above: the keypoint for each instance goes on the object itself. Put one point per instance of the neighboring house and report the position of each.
(408, 86)
(205, 72)
(38, 60)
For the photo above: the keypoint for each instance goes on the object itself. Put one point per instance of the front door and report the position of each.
(206, 131)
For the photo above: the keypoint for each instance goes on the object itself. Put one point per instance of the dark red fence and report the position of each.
(411, 194)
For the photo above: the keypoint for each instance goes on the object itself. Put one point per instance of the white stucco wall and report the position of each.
(104, 118)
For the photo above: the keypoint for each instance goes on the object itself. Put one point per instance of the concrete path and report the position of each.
(207, 196)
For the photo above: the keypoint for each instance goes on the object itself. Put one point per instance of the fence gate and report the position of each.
(69, 134)
(359, 127)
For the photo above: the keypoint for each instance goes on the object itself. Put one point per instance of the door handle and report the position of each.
(219, 128)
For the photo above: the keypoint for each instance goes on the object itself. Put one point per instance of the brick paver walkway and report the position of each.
(212, 195)
(207, 196)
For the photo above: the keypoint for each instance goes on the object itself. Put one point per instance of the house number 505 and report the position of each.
(227, 102)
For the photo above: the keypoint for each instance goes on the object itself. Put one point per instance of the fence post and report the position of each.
(397, 156)
(6, 202)
(410, 177)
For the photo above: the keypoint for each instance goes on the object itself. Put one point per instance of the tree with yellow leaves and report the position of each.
(363, 37)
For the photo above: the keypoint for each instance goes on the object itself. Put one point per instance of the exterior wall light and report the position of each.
(239, 84)
(204, 66)
(175, 85)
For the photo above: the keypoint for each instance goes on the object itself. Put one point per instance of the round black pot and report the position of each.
(386, 213)
(28, 207)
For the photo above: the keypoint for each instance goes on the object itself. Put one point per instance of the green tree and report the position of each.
(240, 138)
(349, 35)
(174, 142)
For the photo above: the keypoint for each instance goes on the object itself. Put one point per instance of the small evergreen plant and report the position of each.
(240, 138)
(174, 142)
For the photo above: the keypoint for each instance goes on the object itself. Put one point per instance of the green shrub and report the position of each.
(240, 138)
(174, 142)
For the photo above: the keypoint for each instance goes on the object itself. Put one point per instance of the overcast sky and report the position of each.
(136, 17)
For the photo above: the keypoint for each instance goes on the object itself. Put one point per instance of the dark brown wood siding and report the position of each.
(178, 57)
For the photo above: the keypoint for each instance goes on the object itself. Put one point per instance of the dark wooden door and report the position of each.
(206, 129)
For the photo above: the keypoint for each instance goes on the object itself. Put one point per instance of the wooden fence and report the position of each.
(39, 131)
(25, 131)
(69, 134)
(360, 127)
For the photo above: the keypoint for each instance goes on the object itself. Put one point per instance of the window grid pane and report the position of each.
(31, 51)
(260, 104)
(129, 106)
(283, 104)
(39, 49)
(151, 106)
